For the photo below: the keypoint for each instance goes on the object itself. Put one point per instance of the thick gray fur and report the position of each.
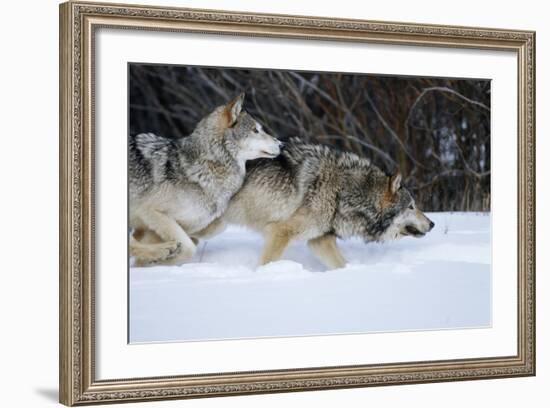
(318, 194)
(179, 186)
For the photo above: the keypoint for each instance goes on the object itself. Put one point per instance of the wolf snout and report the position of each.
(432, 225)
(271, 148)
(277, 147)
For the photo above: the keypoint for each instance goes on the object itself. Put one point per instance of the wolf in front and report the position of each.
(179, 186)
(318, 194)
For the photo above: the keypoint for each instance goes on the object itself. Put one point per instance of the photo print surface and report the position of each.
(272, 203)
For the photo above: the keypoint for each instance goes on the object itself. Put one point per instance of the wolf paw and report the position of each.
(181, 255)
(173, 250)
(157, 253)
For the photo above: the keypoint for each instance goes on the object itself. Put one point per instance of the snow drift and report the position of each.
(441, 281)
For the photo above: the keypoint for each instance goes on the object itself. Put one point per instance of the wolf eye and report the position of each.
(256, 131)
(411, 207)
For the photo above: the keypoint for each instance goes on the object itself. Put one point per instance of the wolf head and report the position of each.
(399, 207)
(240, 132)
(376, 207)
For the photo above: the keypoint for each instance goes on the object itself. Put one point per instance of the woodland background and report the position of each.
(436, 131)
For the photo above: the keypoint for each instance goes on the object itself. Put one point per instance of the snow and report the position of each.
(441, 281)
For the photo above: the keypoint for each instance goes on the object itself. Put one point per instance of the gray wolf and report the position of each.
(179, 186)
(316, 193)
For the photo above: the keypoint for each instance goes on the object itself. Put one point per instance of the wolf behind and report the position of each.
(179, 186)
(318, 194)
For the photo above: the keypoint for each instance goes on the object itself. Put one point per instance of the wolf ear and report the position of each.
(233, 108)
(395, 182)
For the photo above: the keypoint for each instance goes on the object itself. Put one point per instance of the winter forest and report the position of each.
(436, 131)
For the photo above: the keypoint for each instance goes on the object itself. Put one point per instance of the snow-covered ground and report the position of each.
(440, 281)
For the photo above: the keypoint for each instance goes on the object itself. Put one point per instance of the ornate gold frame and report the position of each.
(76, 346)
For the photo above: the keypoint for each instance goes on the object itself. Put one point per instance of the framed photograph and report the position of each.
(255, 203)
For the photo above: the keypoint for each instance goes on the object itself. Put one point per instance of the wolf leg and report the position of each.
(325, 248)
(277, 238)
(214, 228)
(152, 253)
(146, 236)
(169, 230)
